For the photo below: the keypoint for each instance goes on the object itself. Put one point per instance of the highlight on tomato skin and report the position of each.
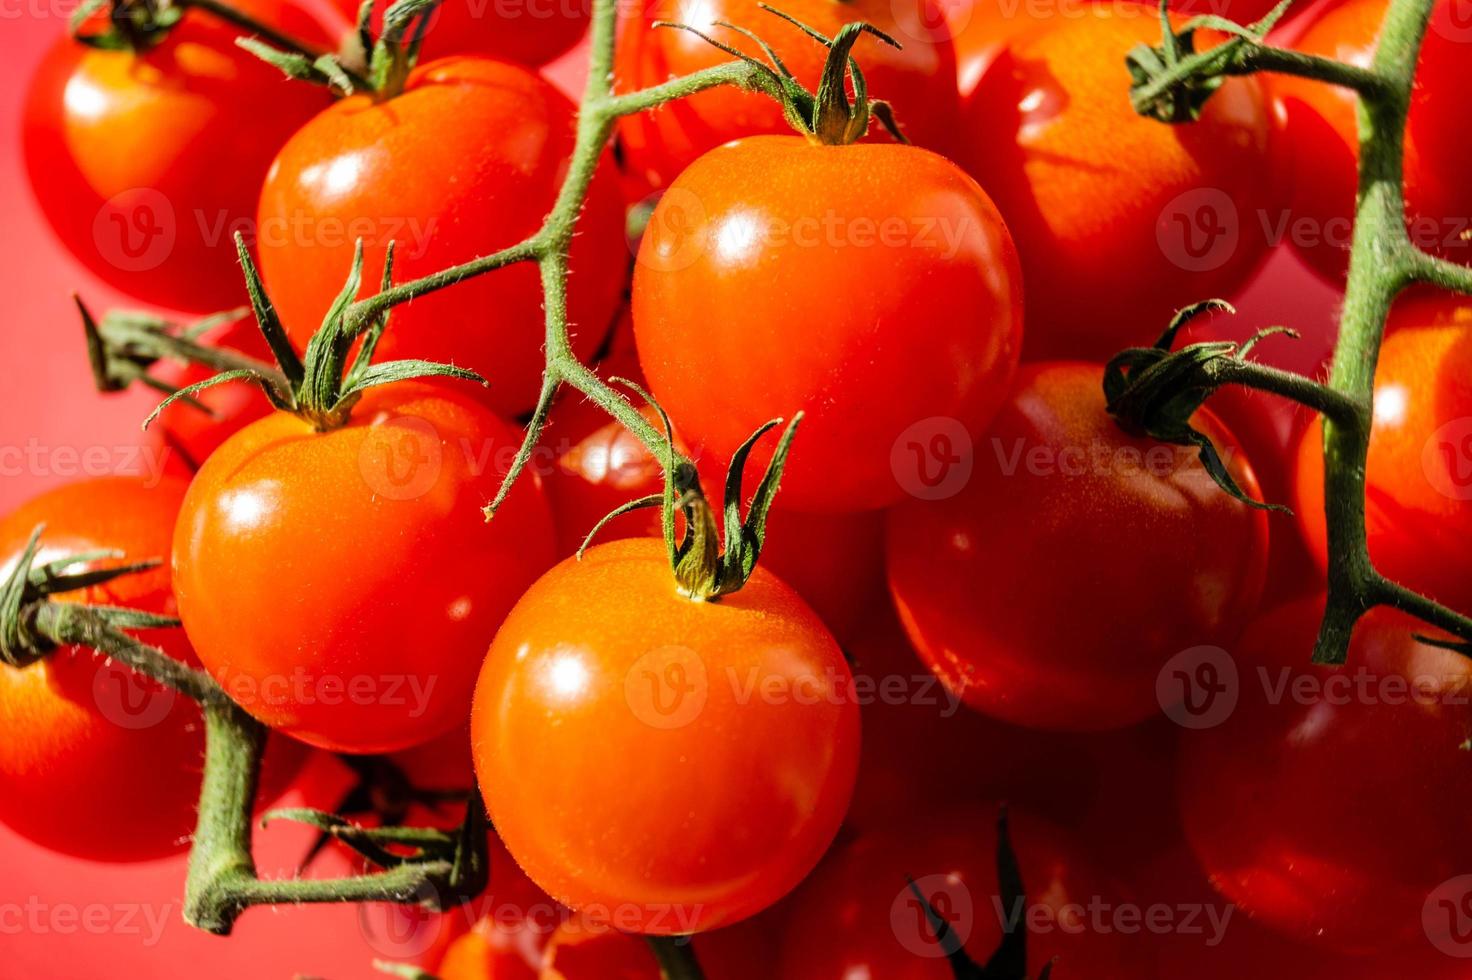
(744, 706)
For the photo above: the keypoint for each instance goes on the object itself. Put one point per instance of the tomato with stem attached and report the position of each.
(147, 162)
(531, 32)
(1327, 804)
(98, 761)
(859, 917)
(468, 159)
(342, 585)
(918, 78)
(1120, 219)
(680, 763)
(1074, 560)
(872, 287)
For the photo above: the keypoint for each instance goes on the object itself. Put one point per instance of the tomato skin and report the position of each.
(530, 32)
(355, 571)
(1418, 506)
(1318, 144)
(1078, 176)
(404, 162)
(1062, 503)
(776, 215)
(1255, 790)
(856, 917)
(98, 762)
(918, 79)
(146, 164)
(564, 694)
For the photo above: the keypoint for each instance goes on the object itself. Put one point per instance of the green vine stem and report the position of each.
(676, 958)
(1383, 263)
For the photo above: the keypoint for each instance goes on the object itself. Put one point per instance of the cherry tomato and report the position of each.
(857, 916)
(1317, 151)
(509, 928)
(188, 434)
(100, 762)
(146, 164)
(531, 32)
(1120, 220)
(1418, 491)
(361, 562)
(1054, 585)
(396, 171)
(604, 674)
(1275, 798)
(918, 79)
(853, 246)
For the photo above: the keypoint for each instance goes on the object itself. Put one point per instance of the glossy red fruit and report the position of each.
(397, 171)
(1120, 220)
(100, 762)
(857, 916)
(361, 559)
(1418, 493)
(918, 78)
(147, 164)
(1074, 561)
(531, 32)
(1379, 744)
(605, 673)
(852, 247)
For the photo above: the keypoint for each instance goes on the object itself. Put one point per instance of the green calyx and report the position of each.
(390, 58)
(1155, 391)
(322, 385)
(133, 25)
(29, 586)
(1172, 83)
(707, 567)
(826, 116)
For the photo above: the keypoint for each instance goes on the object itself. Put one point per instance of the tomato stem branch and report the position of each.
(676, 958)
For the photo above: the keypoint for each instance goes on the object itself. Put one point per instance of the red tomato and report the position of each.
(146, 164)
(531, 32)
(1120, 220)
(918, 78)
(190, 435)
(1053, 586)
(1328, 803)
(897, 237)
(1418, 489)
(360, 559)
(98, 761)
(857, 917)
(396, 171)
(605, 673)
(1318, 146)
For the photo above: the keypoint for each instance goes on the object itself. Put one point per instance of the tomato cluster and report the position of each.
(976, 594)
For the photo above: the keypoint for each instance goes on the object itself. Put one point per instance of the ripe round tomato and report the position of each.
(1317, 148)
(1053, 586)
(97, 761)
(190, 435)
(359, 557)
(678, 764)
(857, 917)
(773, 238)
(147, 164)
(1120, 220)
(531, 32)
(1327, 805)
(918, 79)
(1418, 479)
(396, 171)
